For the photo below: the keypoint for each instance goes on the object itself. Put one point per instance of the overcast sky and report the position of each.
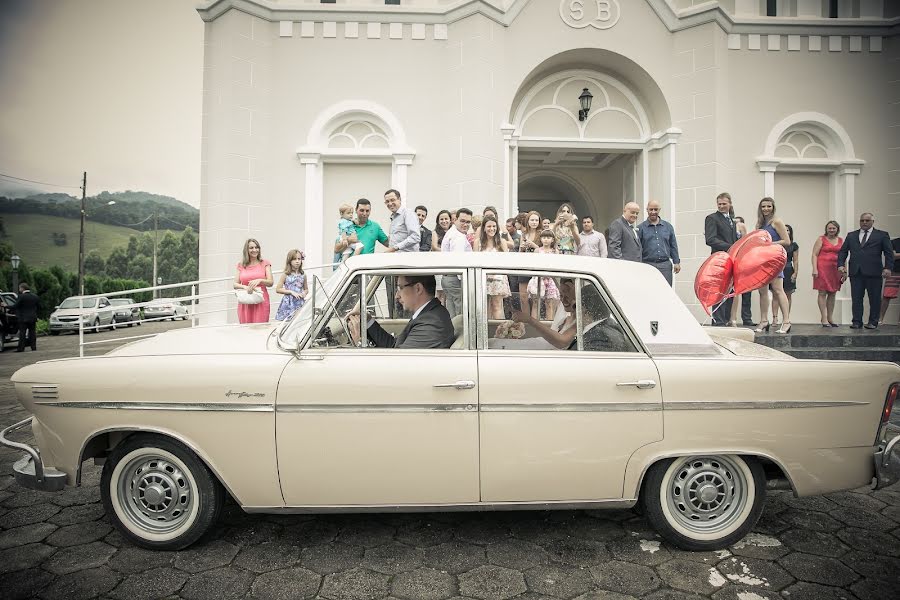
(111, 87)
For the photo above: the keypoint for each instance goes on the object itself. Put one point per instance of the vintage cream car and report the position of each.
(295, 417)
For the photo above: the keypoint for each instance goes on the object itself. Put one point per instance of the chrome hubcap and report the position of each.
(155, 493)
(706, 494)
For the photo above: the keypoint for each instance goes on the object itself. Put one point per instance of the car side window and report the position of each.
(381, 304)
(549, 311)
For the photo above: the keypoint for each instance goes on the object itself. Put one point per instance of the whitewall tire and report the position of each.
(704, 502)
(158, 493)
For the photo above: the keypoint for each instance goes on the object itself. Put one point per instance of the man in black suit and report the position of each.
(26, 311)
(429, 327)
(866, 246)
(721, 234)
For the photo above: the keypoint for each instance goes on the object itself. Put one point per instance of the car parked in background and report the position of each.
(165, 308)
(125, 312)
(95, 313)
(9, 324)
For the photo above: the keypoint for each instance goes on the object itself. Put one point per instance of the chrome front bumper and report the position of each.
(29, 470)
(887, 461)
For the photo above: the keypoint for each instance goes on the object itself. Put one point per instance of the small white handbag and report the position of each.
(254, 297)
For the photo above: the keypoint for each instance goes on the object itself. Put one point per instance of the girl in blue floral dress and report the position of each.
(292, 285)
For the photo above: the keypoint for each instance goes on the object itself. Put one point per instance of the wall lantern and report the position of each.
(16, 261)
(585, 100)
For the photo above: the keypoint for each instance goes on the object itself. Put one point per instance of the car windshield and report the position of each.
(297, 327)
(77, 303)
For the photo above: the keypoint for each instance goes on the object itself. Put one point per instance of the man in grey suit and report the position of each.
(429, 327)
(623, 241)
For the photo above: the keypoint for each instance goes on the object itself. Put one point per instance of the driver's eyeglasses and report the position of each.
(400, 286)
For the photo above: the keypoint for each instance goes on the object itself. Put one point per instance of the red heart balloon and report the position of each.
(713, 280)
(758, 266)
(754, 239)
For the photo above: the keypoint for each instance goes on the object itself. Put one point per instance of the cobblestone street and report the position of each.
(60, 545)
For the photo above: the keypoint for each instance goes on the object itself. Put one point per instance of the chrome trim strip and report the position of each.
(753, 404)
(194, 406)
(574, 407)
(461, 507)
(373, 408)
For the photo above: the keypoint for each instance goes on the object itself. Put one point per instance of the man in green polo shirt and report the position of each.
(368, 232)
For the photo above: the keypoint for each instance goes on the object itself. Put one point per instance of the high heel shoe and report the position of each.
(785, 327)
(761, 328)
(826, 324)
(830, 324)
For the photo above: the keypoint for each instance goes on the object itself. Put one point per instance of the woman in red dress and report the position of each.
(826, 278)
(253, 272)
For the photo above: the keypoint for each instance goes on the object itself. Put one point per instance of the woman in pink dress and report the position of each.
(253, 272)
(826, 278)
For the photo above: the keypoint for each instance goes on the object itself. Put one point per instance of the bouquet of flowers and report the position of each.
(510, 330)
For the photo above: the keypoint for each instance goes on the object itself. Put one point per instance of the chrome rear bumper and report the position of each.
(887, 461)
(29, 470)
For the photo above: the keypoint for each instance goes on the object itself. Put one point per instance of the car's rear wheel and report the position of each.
(704, 502)
(158, 493)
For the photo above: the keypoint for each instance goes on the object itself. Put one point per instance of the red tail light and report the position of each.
(889, 402)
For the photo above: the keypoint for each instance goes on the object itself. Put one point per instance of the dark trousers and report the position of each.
(747, 308)
(665, 268)
(27, 332)
(722, 315)
(859, 286)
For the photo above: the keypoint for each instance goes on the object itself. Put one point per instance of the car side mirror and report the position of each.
(56, 307)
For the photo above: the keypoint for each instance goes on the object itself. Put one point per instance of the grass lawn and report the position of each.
(32, 237)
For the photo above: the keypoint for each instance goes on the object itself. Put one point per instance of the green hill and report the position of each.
(32, 237)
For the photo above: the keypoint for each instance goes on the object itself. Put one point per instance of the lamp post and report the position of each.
(15, 260)
(585, 100)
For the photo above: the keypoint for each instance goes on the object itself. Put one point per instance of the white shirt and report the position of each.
(862, 234)
(455, 241)
(592, 244)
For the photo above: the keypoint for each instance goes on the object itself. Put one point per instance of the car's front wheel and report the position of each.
(158, 493)
(704, 502)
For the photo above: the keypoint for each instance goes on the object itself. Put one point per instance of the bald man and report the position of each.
(624, 242)
(658, 243)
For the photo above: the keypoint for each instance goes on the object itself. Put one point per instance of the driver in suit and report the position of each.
(429, 327)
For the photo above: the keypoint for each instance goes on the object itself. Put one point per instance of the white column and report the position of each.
(669, 181)
(507, 169)
(400, 174)
(645, 179)
(514, 179)
(845, 197)
(314, 210)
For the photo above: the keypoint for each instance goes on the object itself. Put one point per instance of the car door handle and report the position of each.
(459, 385)
(641, 384)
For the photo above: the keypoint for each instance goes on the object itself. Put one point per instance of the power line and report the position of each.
(173, 221)
(74, 187)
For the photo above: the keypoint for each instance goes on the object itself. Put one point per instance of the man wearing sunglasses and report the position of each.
(871, 261)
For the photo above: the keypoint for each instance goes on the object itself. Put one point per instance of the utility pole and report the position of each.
(81, 239)
(155, 245)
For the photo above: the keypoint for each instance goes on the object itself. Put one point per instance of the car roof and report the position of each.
(658, 315)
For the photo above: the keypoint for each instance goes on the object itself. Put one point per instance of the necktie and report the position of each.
(865, 237)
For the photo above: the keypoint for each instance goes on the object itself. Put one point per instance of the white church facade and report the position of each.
(309, 104)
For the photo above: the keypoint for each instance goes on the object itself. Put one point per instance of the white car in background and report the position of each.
(94, 313)
(165, 307)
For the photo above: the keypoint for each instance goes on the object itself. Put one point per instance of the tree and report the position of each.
(117, 263)
(94, 263)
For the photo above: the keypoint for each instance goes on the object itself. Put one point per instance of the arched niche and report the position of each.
(354, 132)
(811, 142)
(629, 115)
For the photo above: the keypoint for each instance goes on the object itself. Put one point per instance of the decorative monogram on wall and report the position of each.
(600, 14)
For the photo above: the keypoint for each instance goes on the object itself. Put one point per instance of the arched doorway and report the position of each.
(622, 151)
(352, 148)
(810, 168)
